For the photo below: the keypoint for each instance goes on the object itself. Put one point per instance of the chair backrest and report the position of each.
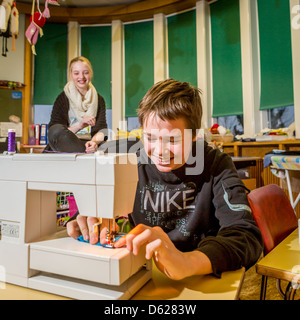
(273, 214)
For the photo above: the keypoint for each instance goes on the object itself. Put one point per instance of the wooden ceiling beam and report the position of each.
(98, 15)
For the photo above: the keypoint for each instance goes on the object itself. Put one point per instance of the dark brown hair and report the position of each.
(170, 99)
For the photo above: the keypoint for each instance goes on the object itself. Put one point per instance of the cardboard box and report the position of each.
(4, 126)
(227, 138)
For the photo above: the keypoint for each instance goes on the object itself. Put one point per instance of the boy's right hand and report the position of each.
(85, 226)
(172, 262)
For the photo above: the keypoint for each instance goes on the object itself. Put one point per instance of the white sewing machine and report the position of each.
(32, 254)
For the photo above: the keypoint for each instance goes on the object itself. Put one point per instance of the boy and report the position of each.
(191, 222)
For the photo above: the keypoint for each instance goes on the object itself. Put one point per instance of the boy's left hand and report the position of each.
(158, 245)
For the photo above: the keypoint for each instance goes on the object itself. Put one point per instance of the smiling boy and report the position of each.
(191, 221)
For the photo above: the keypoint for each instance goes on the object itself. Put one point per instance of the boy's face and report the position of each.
(167, 142)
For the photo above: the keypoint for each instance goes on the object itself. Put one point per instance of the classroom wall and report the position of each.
(12, 66)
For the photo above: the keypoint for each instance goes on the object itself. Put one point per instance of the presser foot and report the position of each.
(112, 238)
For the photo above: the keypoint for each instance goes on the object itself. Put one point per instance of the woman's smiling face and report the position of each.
(167, 143)
(81, 76)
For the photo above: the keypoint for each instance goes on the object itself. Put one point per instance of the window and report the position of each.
(50, 64)
(181, 47)
(96, 46)
(234, 123)
(139, 64)
(275, 54)
(226, 58)
(280, 117)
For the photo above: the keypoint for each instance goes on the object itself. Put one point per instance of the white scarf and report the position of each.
(86, 106)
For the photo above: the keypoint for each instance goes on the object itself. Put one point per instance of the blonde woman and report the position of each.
(78, 119)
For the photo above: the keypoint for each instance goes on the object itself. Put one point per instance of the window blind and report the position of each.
(96, 46)
(50, 64)
(226, 58)
(275, 54)
(139, 64)
(182, 47)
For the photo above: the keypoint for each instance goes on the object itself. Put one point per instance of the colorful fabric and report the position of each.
(98, 243)
(286, 162)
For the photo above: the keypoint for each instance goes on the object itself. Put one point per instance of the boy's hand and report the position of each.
(169, 260)
(172, 262)
(85, 226)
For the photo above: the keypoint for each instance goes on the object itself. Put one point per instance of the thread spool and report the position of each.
(11, 143)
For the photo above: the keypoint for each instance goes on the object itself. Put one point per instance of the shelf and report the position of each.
(34, 148)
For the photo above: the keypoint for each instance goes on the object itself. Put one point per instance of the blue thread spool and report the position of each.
(11, 144)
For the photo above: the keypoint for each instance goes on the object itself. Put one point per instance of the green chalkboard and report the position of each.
(50, 63)
(9, 105)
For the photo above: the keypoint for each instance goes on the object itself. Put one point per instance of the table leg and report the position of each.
(279, 288)
(263, 288)
(288, 182)
(289, 185)
(290, 292)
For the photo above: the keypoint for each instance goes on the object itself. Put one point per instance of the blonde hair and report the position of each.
(170, 99)
(83, 60)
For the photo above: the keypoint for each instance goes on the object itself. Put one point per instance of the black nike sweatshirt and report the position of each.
(201, 206)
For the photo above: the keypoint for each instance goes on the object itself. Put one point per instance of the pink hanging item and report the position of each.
(37, 21)
(72, 206)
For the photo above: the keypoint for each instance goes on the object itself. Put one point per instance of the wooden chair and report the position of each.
(275, 217)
